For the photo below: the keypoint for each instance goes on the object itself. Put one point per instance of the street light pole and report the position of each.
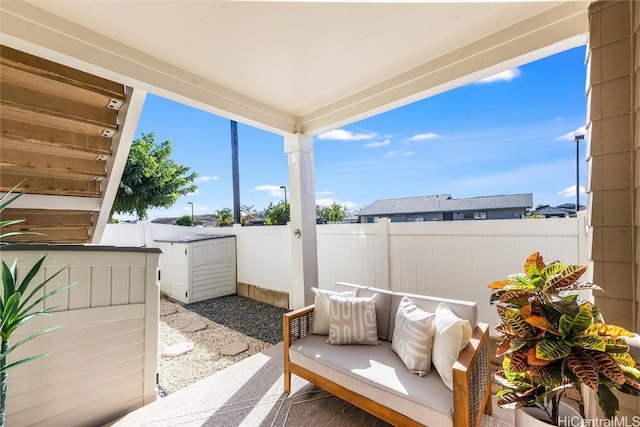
(285, 193)
(578, 138)
(193, 219)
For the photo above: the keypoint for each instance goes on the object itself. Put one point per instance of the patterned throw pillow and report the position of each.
(413, 337)
(321, 309)
(352, 321)
(452, 334)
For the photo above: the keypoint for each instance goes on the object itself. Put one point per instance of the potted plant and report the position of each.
(552, 341)
(18, 302)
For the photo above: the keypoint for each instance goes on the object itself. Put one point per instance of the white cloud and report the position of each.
(196, 208)
(571, 136)
(207, 178)
(272, 190)
(346, 135)
(397, 153)
(324, 193)
(330, 201)
(504, 76)
(423, 136)
(571, 191)
(378, 144)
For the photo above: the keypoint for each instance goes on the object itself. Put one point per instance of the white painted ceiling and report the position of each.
(293, 66)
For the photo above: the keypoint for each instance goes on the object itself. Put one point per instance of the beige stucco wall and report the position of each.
(613, 92)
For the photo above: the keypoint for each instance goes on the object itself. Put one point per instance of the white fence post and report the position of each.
(383, 273)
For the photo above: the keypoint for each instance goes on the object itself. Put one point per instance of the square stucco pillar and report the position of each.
(304, 249)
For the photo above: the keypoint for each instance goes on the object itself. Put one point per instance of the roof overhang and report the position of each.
(293, 67)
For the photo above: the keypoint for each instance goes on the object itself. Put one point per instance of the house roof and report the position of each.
(445, 203)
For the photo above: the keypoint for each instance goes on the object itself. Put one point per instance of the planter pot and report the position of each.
(536, 417)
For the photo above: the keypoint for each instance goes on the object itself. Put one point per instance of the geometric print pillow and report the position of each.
(352, 321)
(413, 337)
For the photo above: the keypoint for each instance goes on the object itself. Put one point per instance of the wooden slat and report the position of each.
(49, 86)
(48, 218)
(39, 164)
(61, 73)
(45, 139)
(51, 235)
(48, 185)
(41, 104)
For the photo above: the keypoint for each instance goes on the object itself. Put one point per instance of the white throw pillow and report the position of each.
(451, 335)
(352, 320)
(413, 337)
(321, 309)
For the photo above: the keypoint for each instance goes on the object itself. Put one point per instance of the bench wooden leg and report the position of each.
(287, 381)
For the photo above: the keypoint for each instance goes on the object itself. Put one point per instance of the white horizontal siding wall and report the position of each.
(103, 355)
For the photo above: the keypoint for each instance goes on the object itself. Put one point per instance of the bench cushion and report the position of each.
(378, 374)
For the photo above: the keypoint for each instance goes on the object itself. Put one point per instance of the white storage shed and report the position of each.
(197, 268)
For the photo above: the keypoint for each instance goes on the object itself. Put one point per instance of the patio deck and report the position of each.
(250, 393)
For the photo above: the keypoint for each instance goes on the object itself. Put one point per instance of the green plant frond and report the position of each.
(552, 349)
(22, 288)
(521, 279)
(616, 345)
(567, 276)
(517, 297)
(579, 323)
(589, 342)
(8, 282)
(9, 197)
(20, 320)
(608, 402)
(518, 323)
(551, 270)
(517, 344)
(44, 297)
(625, 359)
(610, 331)
(9, 312)
(510, 400)
(9, 222)
(630, 370)
(26, 340)
(25, 360)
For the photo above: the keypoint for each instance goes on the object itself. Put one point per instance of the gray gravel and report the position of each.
(245, 315)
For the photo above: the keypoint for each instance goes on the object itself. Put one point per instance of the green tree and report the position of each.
(278, 214)
(224, 217)
(184, 220)
(332, 213)
(151, 179)
(248, 213)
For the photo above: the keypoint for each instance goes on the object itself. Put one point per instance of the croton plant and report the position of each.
(551, 340)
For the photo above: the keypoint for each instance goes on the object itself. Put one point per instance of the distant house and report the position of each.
(445, 208)
(561, 211)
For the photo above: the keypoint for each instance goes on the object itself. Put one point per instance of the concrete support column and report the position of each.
(304, 249)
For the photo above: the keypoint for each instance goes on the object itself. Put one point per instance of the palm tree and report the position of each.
(224, 217)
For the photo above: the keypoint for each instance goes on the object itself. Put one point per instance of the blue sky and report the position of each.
(513, 133)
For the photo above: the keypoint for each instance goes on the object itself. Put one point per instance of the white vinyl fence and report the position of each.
(453, 259)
